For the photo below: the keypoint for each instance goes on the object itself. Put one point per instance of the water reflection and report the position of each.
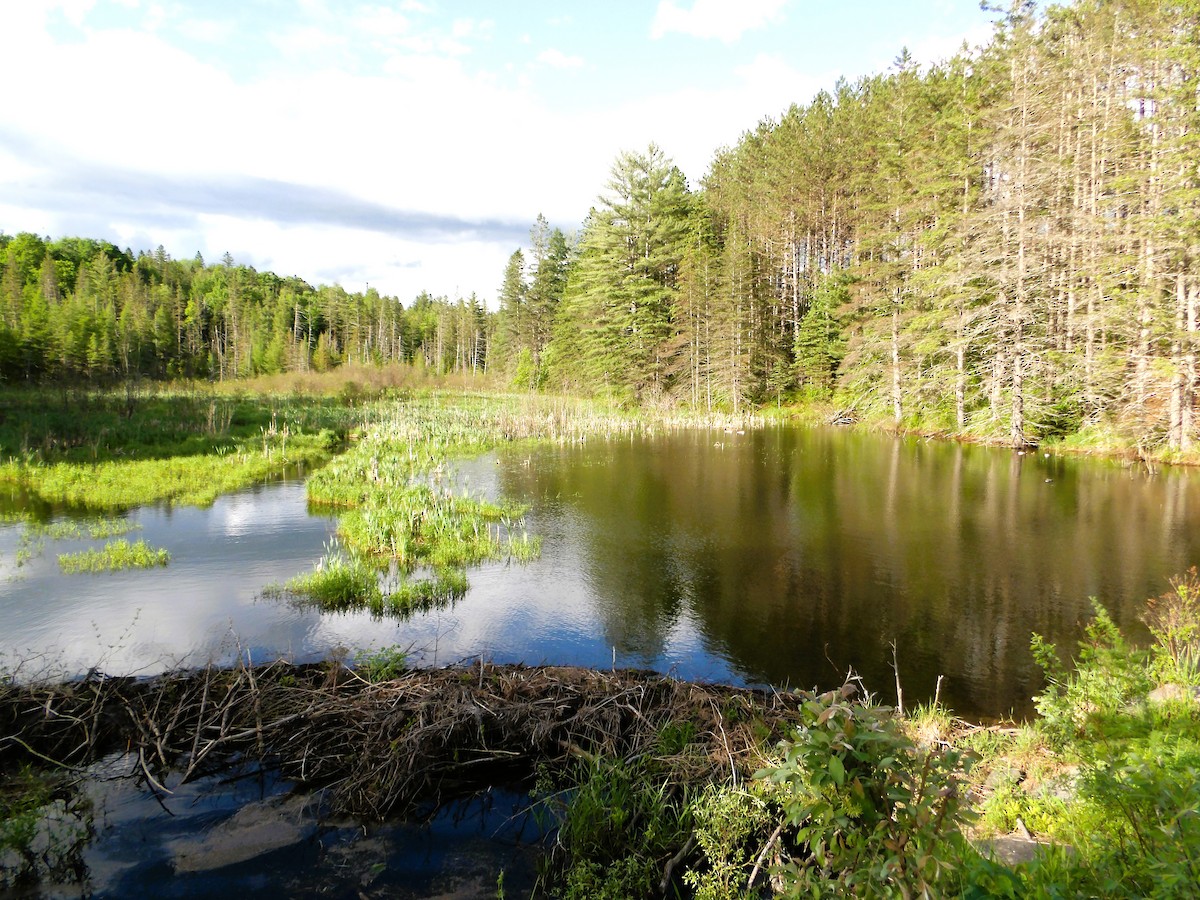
(798, 554)
(785, 556)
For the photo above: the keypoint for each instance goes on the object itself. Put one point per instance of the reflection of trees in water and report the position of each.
(801, 553)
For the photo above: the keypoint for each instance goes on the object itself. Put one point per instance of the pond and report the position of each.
(786, 556)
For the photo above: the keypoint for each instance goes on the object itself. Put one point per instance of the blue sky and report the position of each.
(408, 144)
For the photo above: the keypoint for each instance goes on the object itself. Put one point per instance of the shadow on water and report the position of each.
(244, 833)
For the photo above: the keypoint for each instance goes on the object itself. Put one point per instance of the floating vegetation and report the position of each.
(113, 556)
(338, 582)
(398, 507)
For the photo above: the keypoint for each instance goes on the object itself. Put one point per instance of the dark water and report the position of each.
(785, 556)
(792, 555)
(244, 833)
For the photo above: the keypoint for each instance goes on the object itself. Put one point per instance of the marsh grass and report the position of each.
(341, 581)
(114, 556)
(78, 529)
(112, 450)
(399, 504)
(338, 582)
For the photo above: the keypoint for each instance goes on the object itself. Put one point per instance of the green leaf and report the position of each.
(838, 770)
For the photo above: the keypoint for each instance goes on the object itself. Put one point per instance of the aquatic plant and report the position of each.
(399, 500)
(77, 529)
(338, 582)
(114, 555)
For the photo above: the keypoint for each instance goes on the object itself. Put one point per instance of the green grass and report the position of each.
(114, 556)
(78, 529)
(113, 450)
(338, 582)
(341, 581)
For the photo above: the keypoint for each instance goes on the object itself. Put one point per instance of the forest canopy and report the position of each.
(1003, 245)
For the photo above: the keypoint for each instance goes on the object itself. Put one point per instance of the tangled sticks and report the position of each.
(386, 747)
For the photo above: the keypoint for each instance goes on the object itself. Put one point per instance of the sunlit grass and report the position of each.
(338, 582)
(114, 556)
(78, 529)
(118, 449)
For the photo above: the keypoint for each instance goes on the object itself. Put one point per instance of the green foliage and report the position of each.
(872, 813)
(729, 826)
(114, 556)
(115, 450)
(1108, 676)
(819, 344)
(614, 324)
(384, 664)
(1174, 621)
(619, 822)
(339, 582)
(1126, 799)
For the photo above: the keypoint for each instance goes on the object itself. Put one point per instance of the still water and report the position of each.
(784, 556)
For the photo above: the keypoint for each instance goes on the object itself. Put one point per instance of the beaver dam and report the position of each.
(377, 750)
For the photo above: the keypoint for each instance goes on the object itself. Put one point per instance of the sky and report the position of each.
(405, 145)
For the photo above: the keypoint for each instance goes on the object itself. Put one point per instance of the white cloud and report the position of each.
(382, 22)
(375, 117)
(556, 59)
(305, 42)
(207, 31)
(701, 121)
(74, 11)
(714, 18)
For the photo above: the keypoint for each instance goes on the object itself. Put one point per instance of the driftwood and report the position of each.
(386, 747)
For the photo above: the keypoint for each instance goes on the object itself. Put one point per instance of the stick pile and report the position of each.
(384, 748)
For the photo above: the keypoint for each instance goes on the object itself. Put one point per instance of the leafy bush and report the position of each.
(872, 813)
(1174, 621)
(1109, 675)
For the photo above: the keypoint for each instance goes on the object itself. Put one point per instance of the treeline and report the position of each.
(82, 308)
(1006, 244)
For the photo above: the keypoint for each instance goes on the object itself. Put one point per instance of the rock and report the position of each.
(1017, 847)
(253, 830)
(1011, 849)
(1174, 693)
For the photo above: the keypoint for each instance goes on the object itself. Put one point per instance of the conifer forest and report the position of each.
(1004, 245)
